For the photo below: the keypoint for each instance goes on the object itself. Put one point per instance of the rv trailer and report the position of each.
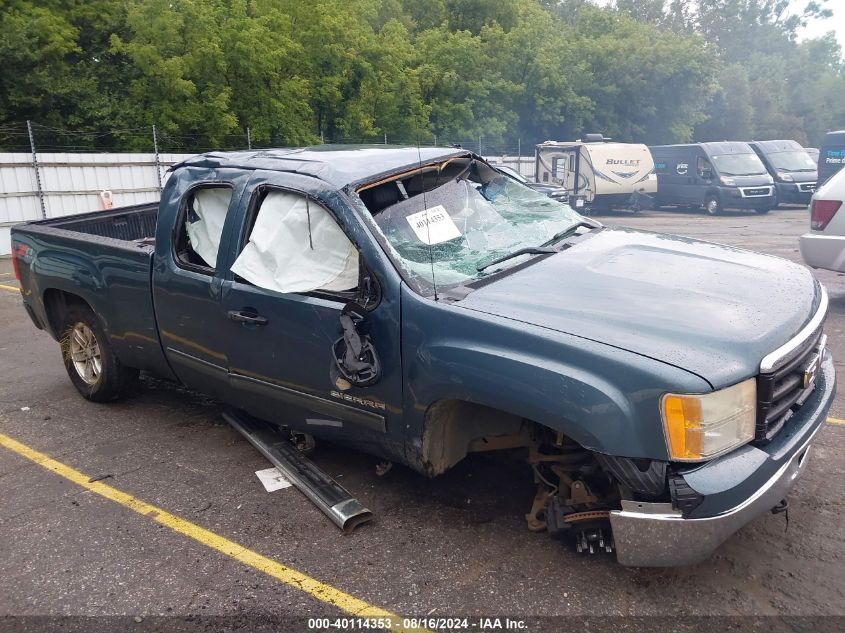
(598, 173)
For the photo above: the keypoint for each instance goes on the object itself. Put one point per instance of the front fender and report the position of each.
(603, 397)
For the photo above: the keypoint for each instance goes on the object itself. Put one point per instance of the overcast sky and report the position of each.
(820, 27)
(814, 29)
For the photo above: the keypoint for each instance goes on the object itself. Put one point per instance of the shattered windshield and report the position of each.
(443, 222)
(797, 160)
(739, 165)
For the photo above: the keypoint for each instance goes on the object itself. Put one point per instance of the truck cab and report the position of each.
(791, 168)
(712, 176)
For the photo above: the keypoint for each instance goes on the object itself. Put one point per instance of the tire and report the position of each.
(89, 359)
(712, 205)
(762, 211)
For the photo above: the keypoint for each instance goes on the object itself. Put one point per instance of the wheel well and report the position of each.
(454, 428)
(56, 303)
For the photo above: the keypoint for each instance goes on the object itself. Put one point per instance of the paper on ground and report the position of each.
(272, 479)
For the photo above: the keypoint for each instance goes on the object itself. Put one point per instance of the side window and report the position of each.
(704, 168)
(200, 227)
(295, 245)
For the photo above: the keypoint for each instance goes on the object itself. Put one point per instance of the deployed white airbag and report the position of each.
(285, 256)
(205, 224)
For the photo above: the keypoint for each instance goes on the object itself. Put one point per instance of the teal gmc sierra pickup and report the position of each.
(419, 305)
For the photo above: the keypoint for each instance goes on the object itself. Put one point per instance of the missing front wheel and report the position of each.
(574, 496)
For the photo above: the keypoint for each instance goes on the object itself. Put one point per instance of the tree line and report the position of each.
(293, 72)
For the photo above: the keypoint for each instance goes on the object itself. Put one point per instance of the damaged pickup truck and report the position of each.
(418, 305)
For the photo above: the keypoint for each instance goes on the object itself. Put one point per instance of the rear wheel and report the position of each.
(88, 357)
(712, 205)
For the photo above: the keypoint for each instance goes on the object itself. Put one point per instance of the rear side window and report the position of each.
(295, 245)
(201, 226)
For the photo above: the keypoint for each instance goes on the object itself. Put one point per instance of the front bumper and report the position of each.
(646, 535)
(794, 193)
(739, 197)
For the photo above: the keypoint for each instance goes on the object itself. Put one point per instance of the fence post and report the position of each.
(37, 170)
(479, 144)
(248, 138)
(158, 161)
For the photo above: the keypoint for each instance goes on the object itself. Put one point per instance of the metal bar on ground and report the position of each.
(328, 495)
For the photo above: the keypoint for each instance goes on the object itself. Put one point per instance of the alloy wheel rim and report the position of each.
(712, 205)
(85, 354)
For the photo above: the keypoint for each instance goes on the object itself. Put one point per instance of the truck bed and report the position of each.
(105, 259)
(135, 223)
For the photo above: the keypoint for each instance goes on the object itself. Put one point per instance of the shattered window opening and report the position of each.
(469, 214)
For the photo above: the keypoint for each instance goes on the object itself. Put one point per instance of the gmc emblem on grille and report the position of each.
(810, 371)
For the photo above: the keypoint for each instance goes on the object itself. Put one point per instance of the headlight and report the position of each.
(786, 177)
(702, 426)
(728, 182)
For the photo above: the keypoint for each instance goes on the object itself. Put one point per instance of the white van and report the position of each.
(598, 173)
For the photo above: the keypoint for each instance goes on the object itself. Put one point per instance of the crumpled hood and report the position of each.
(710, 309)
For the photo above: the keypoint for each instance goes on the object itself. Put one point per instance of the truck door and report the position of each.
(187, 276)
(284, 296)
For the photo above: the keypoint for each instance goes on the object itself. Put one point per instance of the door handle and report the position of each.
(247, 317)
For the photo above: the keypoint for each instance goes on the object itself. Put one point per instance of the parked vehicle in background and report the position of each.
(792, 169)
(824, 245)
(832, 155)
(713, 177)
(553, 191)
(598, 173)
(416, 304)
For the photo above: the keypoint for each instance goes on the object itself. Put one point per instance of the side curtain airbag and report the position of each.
(205, 222)
(296, 246)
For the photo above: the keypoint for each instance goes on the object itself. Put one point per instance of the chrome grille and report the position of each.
(781, 393)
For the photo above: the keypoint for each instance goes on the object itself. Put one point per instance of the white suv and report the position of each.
(824, 245)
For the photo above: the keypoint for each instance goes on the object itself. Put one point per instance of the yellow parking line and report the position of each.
(836, 421)
(10, 288)
(313, 587)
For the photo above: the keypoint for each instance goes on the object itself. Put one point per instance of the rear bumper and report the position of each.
(823, 251)
(655, 538)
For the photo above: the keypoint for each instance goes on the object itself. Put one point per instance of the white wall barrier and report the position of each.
(71, 183)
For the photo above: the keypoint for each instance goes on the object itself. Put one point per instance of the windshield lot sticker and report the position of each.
(433, 226)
